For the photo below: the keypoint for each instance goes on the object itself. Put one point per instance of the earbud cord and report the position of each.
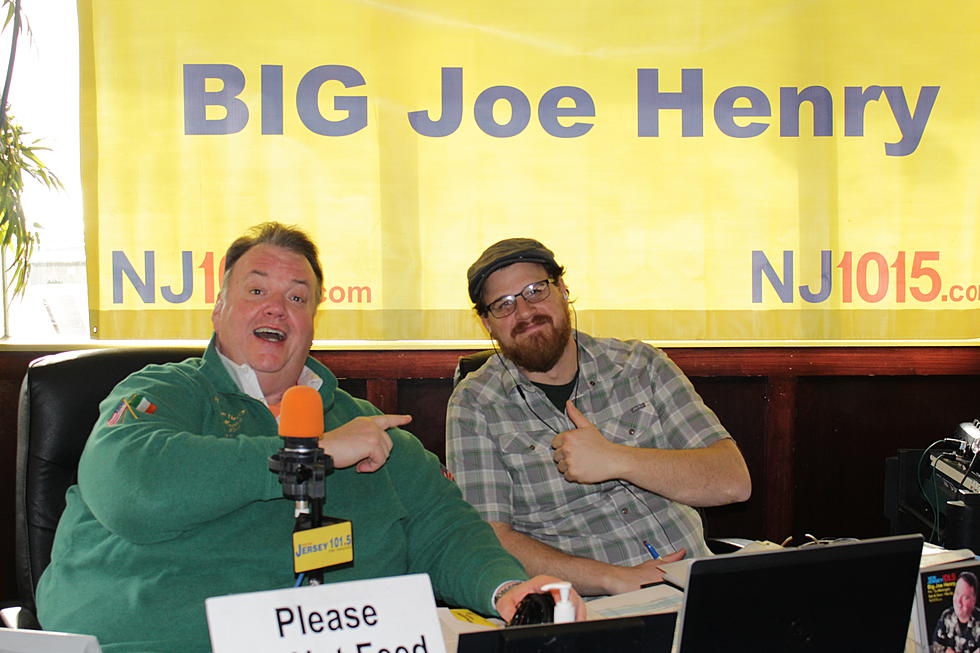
(574, 395)
(622, 483)
(578, 373)
(520, 389)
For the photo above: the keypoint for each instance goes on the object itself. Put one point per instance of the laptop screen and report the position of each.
(853, 596)
(643, 634)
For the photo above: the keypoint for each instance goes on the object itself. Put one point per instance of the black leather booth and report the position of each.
(59, 403)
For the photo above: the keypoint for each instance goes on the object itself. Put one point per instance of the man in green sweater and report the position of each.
(175, 503)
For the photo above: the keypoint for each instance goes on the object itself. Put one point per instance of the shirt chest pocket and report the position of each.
(527, 455)
(538, 492)
(639, 425)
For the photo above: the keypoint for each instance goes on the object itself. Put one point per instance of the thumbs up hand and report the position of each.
(583, 454)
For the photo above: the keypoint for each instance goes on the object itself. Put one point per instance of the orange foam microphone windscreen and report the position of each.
(301, 413)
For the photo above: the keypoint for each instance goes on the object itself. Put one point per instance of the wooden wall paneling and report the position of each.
(355, 387)
(814, 423)
(421, 364)
(780, 448)
(425, 400)
(846, 428)
(12, 367)
(740, 404)
(9, 392)
(826, 361)
(383, 393)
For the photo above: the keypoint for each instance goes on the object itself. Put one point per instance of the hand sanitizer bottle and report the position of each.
(564, 609)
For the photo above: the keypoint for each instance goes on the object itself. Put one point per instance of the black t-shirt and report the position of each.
(559, 394)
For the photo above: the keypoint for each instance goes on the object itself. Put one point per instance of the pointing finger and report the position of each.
(390, 421)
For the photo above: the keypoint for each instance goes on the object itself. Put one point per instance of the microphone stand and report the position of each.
(302, 473)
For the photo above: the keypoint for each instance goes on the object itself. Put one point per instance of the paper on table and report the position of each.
(453, 626)
(676, 572)
(648, 600)
(936, 555)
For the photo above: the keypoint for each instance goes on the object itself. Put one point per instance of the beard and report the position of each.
(540, 351)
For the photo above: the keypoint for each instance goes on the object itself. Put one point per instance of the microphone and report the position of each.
(301, 465)
(969, 433)
(319, 542)
(301, 414)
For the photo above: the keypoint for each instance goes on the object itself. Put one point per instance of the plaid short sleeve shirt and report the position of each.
(498, 447)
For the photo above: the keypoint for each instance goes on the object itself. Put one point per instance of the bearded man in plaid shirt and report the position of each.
(587, 455)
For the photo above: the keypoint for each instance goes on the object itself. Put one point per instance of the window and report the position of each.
(44, 101)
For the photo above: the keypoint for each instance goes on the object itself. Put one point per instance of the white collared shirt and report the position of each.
(248, 381)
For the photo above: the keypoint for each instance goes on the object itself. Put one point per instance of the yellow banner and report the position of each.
(764, 170)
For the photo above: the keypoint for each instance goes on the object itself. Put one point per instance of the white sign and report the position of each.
(382, 615)
(43, 641)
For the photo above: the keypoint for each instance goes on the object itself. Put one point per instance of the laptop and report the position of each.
(649, 633)
(843, 597)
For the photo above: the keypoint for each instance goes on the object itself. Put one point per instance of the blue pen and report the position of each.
(653, 551)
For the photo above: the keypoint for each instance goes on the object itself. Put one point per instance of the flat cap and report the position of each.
(502, 254)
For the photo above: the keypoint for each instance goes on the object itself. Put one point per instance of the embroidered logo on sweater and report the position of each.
(232, 421)
(132, 406)
(448, 474)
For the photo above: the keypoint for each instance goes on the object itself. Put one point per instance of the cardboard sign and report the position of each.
(382, 615)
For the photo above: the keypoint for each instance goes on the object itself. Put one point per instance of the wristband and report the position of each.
(502, 589)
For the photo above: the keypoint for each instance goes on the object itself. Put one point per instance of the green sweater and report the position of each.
(176, 504)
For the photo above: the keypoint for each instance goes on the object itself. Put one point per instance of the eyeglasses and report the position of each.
(532, 294)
